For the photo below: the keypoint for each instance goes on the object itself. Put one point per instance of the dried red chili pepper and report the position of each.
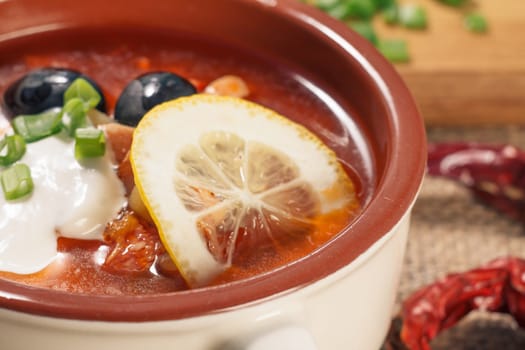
(498, 286)
(495, 174)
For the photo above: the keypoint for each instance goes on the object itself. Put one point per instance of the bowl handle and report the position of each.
(289, 337)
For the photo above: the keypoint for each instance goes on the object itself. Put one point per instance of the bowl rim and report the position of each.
(393, 197)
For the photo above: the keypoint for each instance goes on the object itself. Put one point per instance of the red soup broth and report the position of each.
(112, 60)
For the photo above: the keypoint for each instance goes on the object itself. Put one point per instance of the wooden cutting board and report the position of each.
(462, 78)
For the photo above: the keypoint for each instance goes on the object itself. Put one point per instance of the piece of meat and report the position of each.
(119, 137)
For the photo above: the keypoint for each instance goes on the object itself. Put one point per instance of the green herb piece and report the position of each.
(343, 9)
(394, 50)
(476, 23)
(326, 4)
(391, 14)
(456, 3)
(16, 181)
(37, 126)
(361, 9)
(413, 16)
(12, 149)
(339, 11)
(74, 116)
(83, 90)
(89, 143)
(365, 29)
(382, 4)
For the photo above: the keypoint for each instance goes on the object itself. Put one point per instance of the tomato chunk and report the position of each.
(134, 246)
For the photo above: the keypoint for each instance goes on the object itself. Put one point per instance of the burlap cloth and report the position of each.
(452, 232)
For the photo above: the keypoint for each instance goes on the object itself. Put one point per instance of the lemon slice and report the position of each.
(220, 175)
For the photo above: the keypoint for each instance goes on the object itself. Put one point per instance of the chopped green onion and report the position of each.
(453, 2)
(37, 126)
(82, 89)
(340, 10)
(413, 16)
(366, 30)
(394, 50)
(382, 4)
(12, 149)
(89, 143)
(391, 14)
(16, 181)
(476, 23)
(361, 9)
(326, 4)
(74, 116)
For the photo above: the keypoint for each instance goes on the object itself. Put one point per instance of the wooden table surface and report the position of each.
(463, 78)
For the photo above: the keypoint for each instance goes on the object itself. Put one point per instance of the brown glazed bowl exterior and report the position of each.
(344, 64)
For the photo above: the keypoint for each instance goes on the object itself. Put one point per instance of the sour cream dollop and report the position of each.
(70, 199)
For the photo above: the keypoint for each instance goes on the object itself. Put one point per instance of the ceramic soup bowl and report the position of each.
(341, 295)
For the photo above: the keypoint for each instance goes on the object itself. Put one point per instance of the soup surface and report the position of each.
(130, 259)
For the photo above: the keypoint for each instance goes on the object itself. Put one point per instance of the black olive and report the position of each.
(42, 89)
(148, 90)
